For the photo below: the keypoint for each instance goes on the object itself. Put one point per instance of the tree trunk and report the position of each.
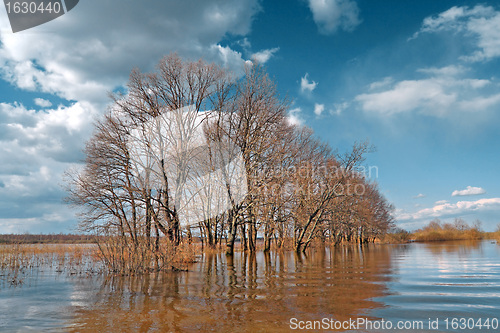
(231, 235)
(267, 239)
(252, 237)
(244, 242)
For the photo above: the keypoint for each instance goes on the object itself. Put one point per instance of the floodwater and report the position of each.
(434, 287)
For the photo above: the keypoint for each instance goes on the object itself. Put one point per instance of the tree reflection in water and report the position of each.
(246, 292)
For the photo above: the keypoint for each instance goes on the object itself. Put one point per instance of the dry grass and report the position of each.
(494, 235)
(436, 231)
(396, 236)
(122, 256)
(19, 261)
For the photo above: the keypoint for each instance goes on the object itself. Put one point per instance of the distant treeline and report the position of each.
(458, 230)
(436, 230)
(44, 239)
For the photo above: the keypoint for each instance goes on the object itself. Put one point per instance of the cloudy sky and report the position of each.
(419, 79)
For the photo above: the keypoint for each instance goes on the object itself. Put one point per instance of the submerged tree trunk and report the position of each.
(244, 239)
(252, 237)
(268, 232)
(231, 235)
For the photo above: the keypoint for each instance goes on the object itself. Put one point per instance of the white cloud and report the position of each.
(294, 117)
(338, 108)
(447, 71)
(487, 31)
(263, 56)
(91, 54)
(480, 102)
(408, 95)
(481, 24)
(318, 109)
(453, 19)
(332, 15)
(445, 209)
(445, 90)
(56, 133)
(229, 58)
(54, 222)
(244, 43)
(36, 147)
(42, 102)
(307, 86)
(469, 191)
(384, 83)
(418, 196)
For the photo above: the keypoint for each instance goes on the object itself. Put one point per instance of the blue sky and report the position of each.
(418, 79)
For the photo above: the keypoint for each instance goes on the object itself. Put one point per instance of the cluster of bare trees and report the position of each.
(191, 150)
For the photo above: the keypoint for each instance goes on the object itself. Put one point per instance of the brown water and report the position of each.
(408, 283)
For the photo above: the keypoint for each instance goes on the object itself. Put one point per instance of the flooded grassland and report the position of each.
(62, 288)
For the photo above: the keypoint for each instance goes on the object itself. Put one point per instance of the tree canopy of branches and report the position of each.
(291, 190)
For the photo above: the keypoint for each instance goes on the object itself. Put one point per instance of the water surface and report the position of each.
(408, 283)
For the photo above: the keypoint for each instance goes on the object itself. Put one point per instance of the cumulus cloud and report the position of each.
(408, 95)
(42, 102)
(263, 56)
(228, 57)
(332, 15)
(307, 86)
(91, 54)
(55, 133)
(36, 147)
(318, 109)
(480, 23)
(441, 202)
(443, 90)
(295, 117)
(468, 191)
(446, 209)
(418, 196)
